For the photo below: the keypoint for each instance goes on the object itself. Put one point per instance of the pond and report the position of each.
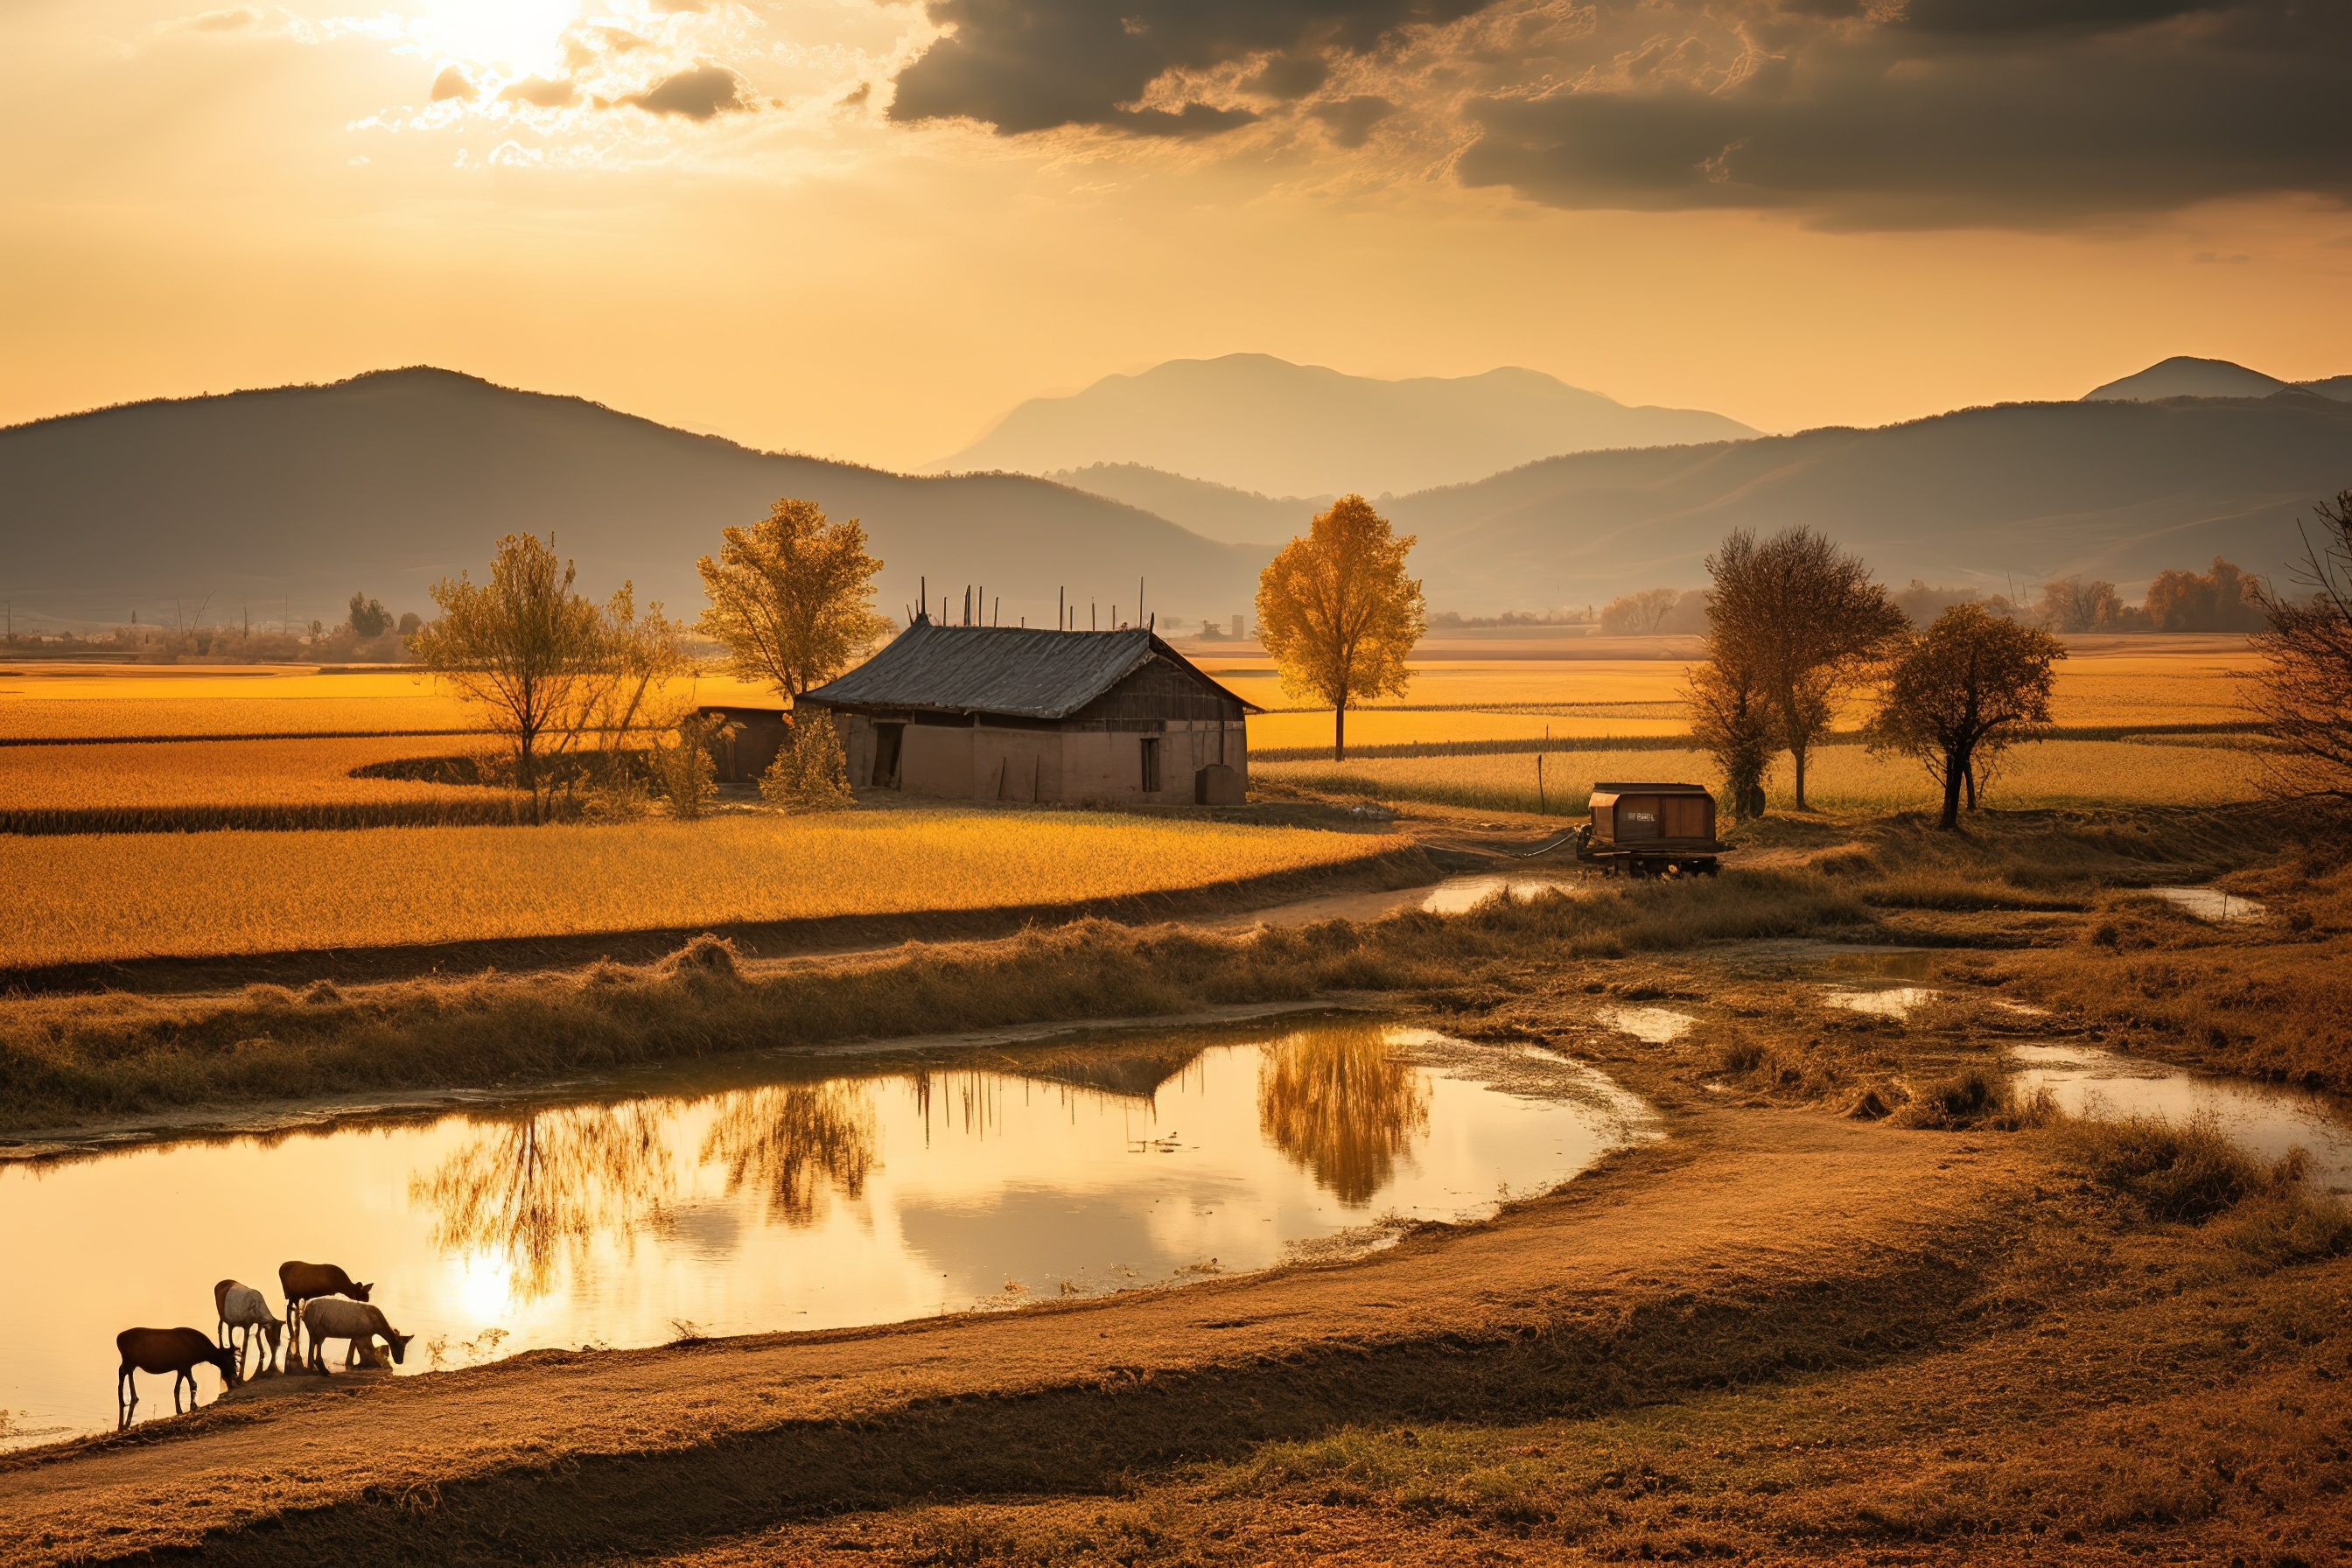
(883, 1189)
(2264, 1119)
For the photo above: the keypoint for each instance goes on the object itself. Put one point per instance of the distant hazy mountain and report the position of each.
(1988, 497)
(1214, 512)
(2181, 376)
(1260, 424)
(390, 481)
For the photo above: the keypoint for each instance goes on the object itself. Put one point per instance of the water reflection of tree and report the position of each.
(1339, 1101)
(532, 1189)
(795, 1143)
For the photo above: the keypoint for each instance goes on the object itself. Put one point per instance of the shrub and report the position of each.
(2186, 1170)
(810, 773)
(1975, 1099)
(684, 768)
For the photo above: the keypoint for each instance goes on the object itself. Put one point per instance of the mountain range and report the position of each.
(297, 496)
(390, 481)
(1254, 422)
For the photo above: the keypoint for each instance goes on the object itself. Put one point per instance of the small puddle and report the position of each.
(744, 1199)
(2209, 903)
(2264, 1119)
(1894, 1002)
(1654, 1025)
(1460, 895)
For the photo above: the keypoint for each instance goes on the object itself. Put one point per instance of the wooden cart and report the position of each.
(1651, 830)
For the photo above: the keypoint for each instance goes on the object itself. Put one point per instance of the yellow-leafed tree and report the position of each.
(1338, 612)
(792, 597)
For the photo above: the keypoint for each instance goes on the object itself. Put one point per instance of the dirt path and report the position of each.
(1747, 1239)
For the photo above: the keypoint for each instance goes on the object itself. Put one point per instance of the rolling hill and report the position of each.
(2181, 376)
(1253, 422)
(1213, 511)
(2013, 494)
(390, 481)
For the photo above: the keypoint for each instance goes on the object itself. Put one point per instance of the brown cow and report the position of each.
(176, 1351)
(307, 1282)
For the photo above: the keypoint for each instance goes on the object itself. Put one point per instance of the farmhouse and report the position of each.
(1016, 713)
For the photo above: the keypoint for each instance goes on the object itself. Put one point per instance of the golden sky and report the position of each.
(865, 230)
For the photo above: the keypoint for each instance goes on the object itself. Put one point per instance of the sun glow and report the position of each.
(521, 36)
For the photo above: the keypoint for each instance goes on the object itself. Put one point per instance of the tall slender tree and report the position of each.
(1338, 612)
(792, 597)
(1806, 621)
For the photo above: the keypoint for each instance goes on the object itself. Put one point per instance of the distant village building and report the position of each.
(1016, 713)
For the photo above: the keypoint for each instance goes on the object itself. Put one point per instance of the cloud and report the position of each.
(2015, 113)
(539, 91)
(1033, 65)
(1351, 119)
(235, 21)
(697, 94)
(452, 83)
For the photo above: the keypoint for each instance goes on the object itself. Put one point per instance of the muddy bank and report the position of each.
(323, 1112)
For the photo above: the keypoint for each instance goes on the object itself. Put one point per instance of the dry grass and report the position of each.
(1841, 778)
(183, 786)
(102, 897)
(63, 1060)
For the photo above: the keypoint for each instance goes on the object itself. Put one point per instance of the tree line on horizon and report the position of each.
(2223, 598)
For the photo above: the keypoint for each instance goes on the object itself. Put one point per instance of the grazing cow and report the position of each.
(307, 1282)
(243, 1307)
(176, 1351)
(328, 1318)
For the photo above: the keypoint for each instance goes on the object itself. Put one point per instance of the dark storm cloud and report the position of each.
(2031, 112)
(1033, 65)
(697, 94)
(1351, 119)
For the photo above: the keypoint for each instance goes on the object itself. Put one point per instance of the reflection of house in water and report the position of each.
(1020, 713)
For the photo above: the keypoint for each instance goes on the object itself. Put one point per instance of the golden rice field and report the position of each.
(112, 897)
(1841, 778)
(1385, 726)
(1450, 703)
(190, 785)
(215, 772)
(84, 702)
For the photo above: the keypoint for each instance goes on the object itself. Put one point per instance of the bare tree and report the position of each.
(1803, 620)
(2304, 695)
(1961, 692)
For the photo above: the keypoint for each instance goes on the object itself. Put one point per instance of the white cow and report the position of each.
(333, 1317)
(243, 1307)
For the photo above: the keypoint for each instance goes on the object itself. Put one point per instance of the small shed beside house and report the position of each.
(748, 740)
(1030, 714)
